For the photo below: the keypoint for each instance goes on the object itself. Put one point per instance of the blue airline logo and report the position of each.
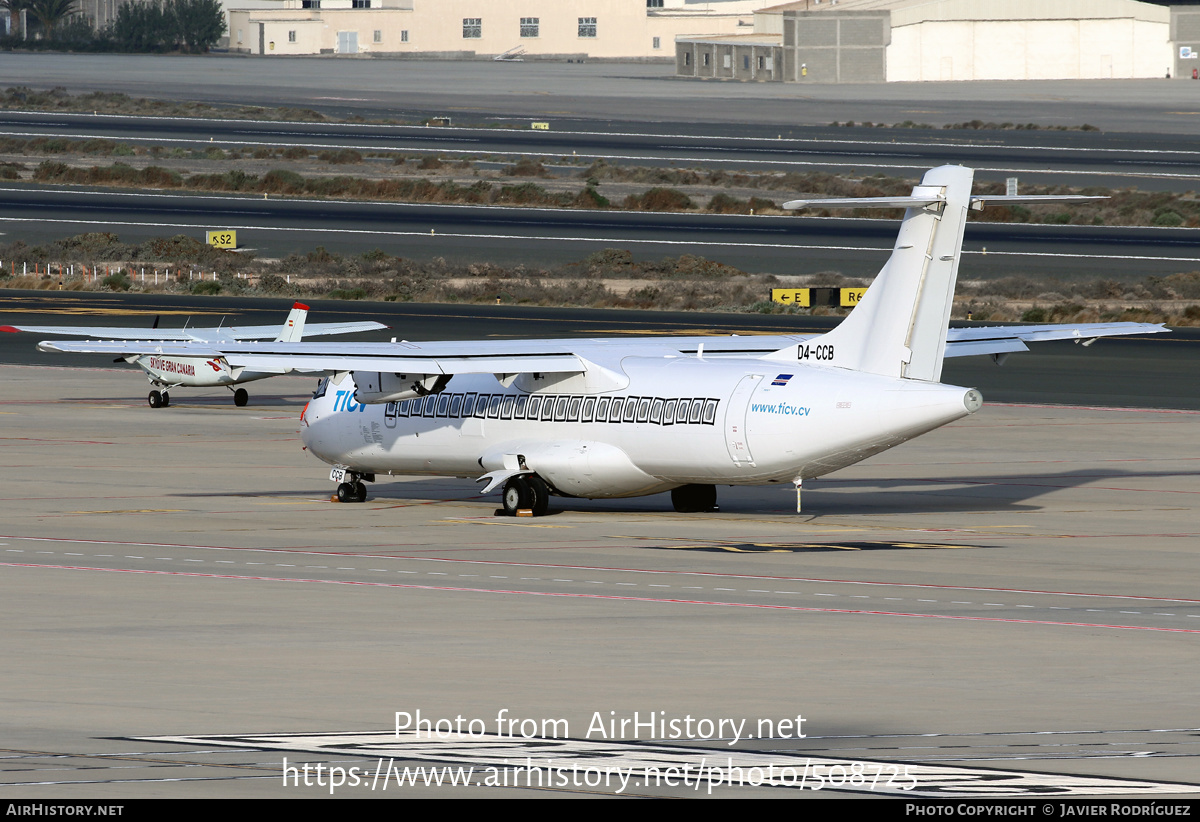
(344, 401)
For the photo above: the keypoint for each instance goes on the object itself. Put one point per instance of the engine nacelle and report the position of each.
(374, 387)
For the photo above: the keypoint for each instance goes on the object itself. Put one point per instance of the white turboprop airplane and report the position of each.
(627, 417)
(167, 372)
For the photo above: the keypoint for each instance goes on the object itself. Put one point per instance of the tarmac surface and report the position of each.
(605, 92)
(1011, 597)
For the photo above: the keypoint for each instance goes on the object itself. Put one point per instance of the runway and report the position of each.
(1079, 158)
(1013, 593)
(543, 236)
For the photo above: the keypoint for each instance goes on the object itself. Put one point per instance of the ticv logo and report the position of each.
(344, 401)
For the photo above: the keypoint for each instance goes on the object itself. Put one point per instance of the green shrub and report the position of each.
(116, 282)
(206, 287)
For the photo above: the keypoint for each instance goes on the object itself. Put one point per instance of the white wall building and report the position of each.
(565, 29)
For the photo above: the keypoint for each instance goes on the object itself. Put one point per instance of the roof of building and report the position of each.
(907, 12)
(758, 39)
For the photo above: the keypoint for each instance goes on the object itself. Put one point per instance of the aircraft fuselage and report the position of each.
(753, 423)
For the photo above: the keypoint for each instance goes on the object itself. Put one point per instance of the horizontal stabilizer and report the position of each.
(978, 201)
(867, 202)
(1007, 339)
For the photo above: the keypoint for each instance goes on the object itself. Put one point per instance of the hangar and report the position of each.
(846, 41)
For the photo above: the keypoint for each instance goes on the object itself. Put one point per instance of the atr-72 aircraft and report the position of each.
(628, 417)
(166, 372)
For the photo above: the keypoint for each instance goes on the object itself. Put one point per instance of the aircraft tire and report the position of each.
(154, 399)
(517, 495)
(360, 492)
(694, 499)
(541, 495)
(166, 399)
(240, 397)
(345, 492)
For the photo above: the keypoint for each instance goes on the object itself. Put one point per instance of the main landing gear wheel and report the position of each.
(352, 492)
(541, 495)
(517, 496)
(166, 399)
(240, 397)
(694, 499)
(156, 399)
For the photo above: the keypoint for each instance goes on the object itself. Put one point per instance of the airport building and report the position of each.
(847, 41)
(468, 29)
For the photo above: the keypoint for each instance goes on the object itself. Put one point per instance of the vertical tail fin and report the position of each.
(898, 328)
(293, 328)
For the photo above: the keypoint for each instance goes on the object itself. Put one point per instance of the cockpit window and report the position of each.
(321, 386)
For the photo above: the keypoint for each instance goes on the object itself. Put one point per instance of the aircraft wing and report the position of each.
(233, 332)
(1008, 339)
(468, 358)
(109, 333)
(554, 356)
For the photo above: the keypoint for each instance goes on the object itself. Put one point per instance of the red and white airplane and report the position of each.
(166, 371)
(625, 417)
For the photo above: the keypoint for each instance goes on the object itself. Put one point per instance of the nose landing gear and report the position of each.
(350, 484)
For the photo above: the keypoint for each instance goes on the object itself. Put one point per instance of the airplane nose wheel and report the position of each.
(352, 492)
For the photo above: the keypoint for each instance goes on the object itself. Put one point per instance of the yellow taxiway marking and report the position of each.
(496, 521)
(135, 511)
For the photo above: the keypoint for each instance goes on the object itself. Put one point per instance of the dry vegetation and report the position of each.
(59, 99)
(523, 181)
(610, 278)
